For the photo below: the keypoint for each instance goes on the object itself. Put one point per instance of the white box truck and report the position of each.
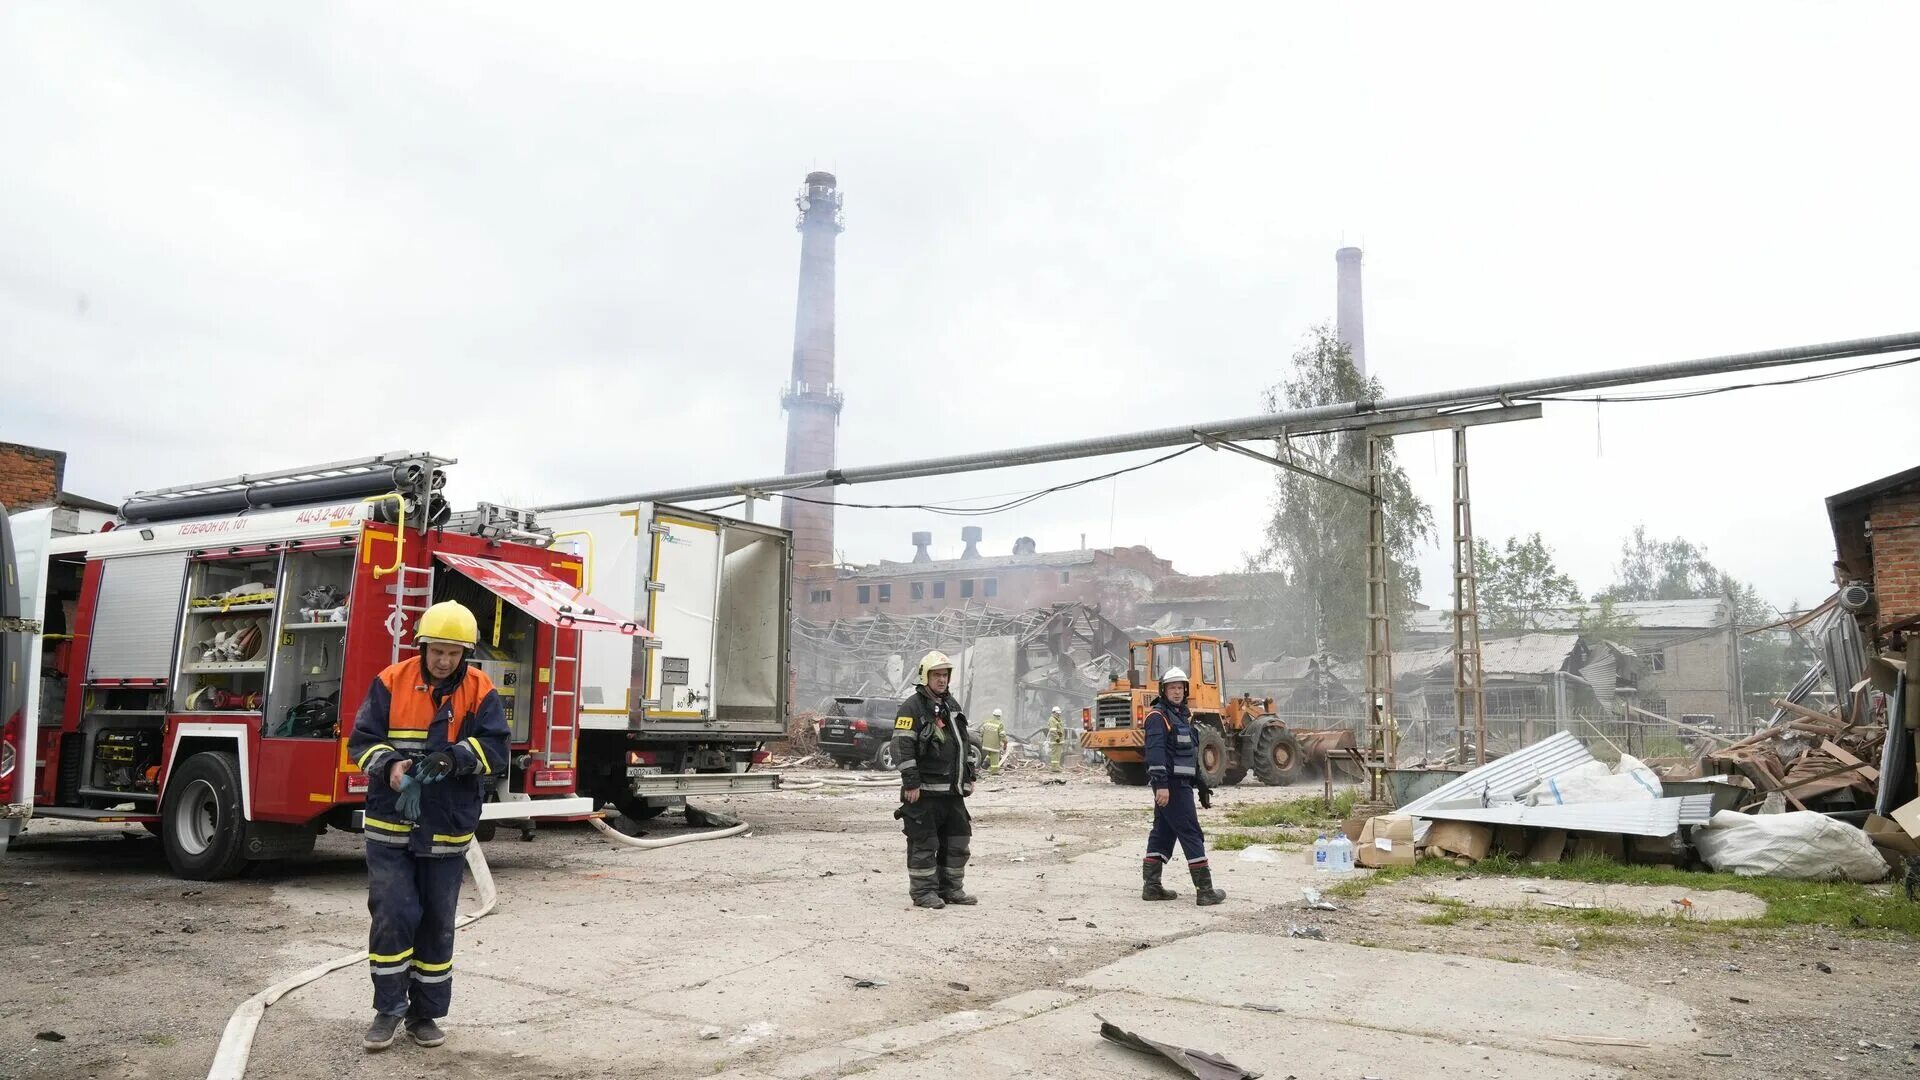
(686, 711)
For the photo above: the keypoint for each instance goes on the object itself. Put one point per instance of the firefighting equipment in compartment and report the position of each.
(126, 759)
(323, 603)
(233, 641)
(252, 592)
(312, 718)
(932, 662)
(220, 699)
(450, 623)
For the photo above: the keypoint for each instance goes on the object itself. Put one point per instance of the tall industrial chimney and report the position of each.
(1348, 323)
(811, 400)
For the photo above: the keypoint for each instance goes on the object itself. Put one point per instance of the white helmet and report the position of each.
(1056, 710)
(932, 662)
(997, 713)
(1173, 674)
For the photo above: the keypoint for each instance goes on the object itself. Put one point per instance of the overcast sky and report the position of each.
(556, 242)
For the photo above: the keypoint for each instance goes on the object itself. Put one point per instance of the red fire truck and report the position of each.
(202, 656)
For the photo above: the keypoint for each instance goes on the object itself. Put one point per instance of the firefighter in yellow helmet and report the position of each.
(428, 733)
(936, 775)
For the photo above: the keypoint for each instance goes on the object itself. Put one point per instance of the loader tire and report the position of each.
(1234, 775)
(1276, 757)
(201, 823)
(1210, 755)
(1132, 774)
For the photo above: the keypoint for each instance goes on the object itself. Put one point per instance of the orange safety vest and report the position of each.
(411, 712)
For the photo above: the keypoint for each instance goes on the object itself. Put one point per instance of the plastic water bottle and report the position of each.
(1342, 854)
(1322, 855)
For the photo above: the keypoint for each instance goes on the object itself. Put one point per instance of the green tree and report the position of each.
(1678, 569)
(1317, 534)
(1519, 584)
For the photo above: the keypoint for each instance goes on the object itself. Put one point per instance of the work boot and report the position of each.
(1204, 894)
(425, 1032)
(1153, 890)
(382, 1032)
(957, 895)
(928, 900)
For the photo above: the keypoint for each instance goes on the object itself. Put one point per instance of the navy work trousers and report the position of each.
(1177, 821)
(413, 900)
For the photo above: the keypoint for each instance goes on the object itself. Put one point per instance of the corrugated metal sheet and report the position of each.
(133, 633)
(1645, 817)
(1601, 676)
(1504, 780)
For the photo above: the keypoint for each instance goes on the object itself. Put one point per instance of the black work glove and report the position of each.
(1206, 798)
(435, 766)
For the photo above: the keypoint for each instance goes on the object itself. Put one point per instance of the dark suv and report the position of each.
(859, 731)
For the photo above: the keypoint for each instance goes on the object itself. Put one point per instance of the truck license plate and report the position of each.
(643, 770)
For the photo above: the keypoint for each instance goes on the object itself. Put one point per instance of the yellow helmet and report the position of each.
(932, 662)
(450, 623)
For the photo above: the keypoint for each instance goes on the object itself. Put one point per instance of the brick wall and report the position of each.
(29, 476)
(1895, 522)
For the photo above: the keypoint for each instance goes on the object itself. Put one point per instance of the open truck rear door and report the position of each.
(562, 606)
(20, 589)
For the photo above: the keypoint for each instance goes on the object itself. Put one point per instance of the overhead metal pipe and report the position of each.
(1269, 425)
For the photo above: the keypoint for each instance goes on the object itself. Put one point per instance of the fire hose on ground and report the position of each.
(236, 1042)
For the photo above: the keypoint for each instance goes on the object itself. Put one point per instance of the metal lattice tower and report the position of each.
(1379, 663)
(1469, 688)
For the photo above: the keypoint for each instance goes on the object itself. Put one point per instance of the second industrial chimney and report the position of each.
(811, 399)
(1349, 325)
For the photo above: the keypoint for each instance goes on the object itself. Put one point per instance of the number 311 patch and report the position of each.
(904, 723)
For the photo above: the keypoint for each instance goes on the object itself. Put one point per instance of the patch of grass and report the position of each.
(1307, 812)
(1841, 905)
(160, 1038)
(1239, 841)
(1365, 943)
(1451, 911)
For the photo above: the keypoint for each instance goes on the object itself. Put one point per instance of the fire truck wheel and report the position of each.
(1132, 774)
(200, 820)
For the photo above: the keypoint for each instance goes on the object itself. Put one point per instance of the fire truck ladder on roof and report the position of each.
(417, 475)
(329, 471)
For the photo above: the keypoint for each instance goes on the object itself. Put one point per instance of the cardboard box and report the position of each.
(1550, 845)
(1655, 849)
(1888, 834)
(1386, 840)
(1462, 838)
(1511, 839)
(1908, 818)
(1597, 845)
(1353, 827)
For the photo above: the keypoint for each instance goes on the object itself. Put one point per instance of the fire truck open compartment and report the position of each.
(505, 651)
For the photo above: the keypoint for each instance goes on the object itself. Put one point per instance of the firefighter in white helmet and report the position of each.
(993, 740)
(428, 733)
(1173, 768)
(1056, 739)
(936, 776)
